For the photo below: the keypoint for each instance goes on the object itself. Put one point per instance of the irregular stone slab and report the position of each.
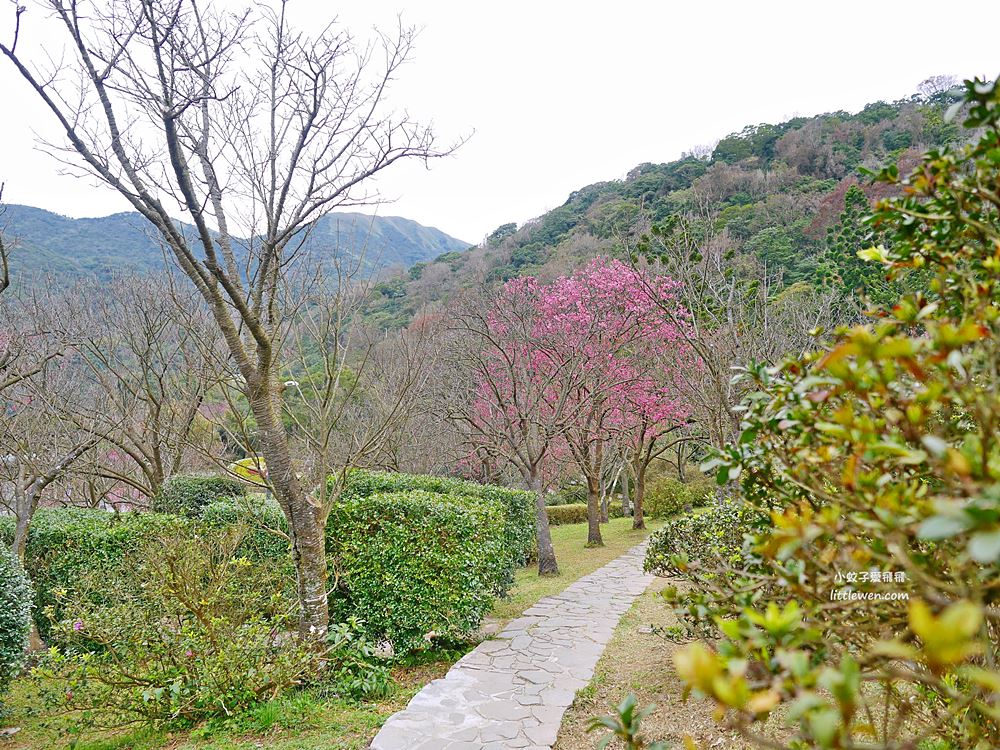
(511, 692)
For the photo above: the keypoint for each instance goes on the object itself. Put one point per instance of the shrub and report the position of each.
(665, 497)
(414, 566)
(208, 633)
(15, 617)
(563, 514)
(707, 540)
(69, 547)
(702, 491)
(78, 556)
(266, 529)
(878, 457)
(518, 505)
(187, 494)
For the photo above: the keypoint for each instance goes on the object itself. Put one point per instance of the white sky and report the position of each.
(564, 94)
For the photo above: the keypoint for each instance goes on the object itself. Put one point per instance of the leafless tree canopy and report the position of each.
(245, 127)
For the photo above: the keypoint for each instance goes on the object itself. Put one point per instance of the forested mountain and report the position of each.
(775, 192)
(67, 247)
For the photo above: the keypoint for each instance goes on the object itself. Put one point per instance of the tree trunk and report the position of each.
(604, 499)
(593, 514)
(626, 500)
(638, 521)
(680, 461)
(21, 533)
(547, 565)
(306, 520)
(25, 502)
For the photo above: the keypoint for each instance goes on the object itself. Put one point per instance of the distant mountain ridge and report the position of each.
(66, 247)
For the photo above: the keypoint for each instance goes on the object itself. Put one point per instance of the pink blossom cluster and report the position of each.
(602, 350)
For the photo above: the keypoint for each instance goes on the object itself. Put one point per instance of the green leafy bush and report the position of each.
(15, 617)
(666, 496)
(448, 584)
(869, 615)
(518, 505)
(208, 633)
(187, 494)
(706, 539)
(353, 668)
(417, 565)
(569, 513)
(69, 547)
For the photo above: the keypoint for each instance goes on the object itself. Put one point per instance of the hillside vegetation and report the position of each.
(774, 192)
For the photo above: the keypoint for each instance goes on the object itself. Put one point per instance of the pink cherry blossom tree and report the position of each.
(511, 393)
(632, 357)
(561, 370)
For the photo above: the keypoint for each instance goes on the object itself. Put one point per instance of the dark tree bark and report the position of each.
(547, 565)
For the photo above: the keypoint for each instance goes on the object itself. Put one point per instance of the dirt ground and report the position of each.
(639, 661)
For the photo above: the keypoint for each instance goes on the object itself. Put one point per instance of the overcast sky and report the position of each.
(563, 94)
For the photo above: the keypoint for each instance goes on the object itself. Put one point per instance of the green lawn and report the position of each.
(304, 721)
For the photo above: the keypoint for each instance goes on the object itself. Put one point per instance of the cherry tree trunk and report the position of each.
(547, 565)
(604, 499)
(306, 521)
(638, 520)
(594, 538)
(626, 499)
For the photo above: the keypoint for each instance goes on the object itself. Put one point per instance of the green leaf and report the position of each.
(984, 547)
(722, 475)
(941, 527)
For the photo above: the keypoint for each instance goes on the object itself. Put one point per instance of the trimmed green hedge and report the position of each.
(67, 545)
(518, 505)
(409, 564)
(560, 515)
(187, 494)
(15, 618)
(569, 513)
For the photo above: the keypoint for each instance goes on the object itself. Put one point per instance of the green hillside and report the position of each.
(68, 248)
(774, 191)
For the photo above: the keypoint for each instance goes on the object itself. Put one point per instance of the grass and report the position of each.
(304, 720)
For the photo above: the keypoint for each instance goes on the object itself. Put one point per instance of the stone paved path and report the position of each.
(512, 691)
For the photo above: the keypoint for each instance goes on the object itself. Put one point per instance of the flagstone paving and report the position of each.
(512, 691)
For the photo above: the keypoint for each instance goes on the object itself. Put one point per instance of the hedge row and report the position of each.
(518, 505)
(560, 515)
(407, 563)
(68, 546)
(187, 494)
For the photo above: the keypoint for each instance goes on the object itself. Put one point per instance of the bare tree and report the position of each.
(147, 365)
(348, 391)
(37, 446)
(239, 121)
(740, 311)
(4, 250)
